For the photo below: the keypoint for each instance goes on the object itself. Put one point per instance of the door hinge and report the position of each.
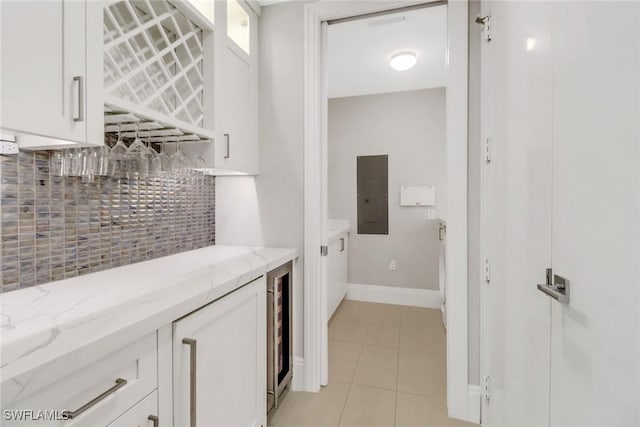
(487, 150)
(486, 387)
(487, 270)
(324, 250)
(485, 21)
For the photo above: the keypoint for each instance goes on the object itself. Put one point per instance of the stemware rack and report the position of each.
(153, 71)
(129, 125)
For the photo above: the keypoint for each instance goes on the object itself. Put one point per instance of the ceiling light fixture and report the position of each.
(403, 61)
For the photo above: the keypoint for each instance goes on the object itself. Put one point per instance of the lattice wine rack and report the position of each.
(153, 68)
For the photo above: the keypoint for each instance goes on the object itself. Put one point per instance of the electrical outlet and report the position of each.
(8, 145)
(431, 214)
(393, 266)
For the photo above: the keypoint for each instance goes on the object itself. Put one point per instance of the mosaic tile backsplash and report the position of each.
(53, 228)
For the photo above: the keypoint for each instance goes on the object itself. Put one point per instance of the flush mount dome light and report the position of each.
(403, 61)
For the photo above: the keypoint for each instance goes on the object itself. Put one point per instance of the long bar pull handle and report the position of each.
(342, 244)
(154, 419)
(226, 140)
(559, 296)
(192, 380)
(80, 116)
(276, 354)
(120, 382)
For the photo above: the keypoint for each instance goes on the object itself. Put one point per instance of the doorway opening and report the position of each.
(463, 402)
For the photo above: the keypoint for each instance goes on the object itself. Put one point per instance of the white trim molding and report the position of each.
(297, 378)
(427, 298)
(474, 396)
(456, 249)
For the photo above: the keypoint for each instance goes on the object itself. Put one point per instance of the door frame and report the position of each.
(463, 401)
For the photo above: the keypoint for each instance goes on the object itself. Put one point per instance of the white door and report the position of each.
(228, 338)
(43, 76)
(562, 83)
(517, 195)
(595, 346)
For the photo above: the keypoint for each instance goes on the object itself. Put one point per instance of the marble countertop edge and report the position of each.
(49, 321)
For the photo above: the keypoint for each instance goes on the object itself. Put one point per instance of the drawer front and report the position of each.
(144, 414)
(97, 387)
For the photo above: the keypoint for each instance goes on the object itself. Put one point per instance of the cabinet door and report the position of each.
(228, 338)
(43, 68)
(336, 274)
(144, 414)
(237, 107)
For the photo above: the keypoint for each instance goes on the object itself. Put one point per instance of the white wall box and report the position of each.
(219, 361)
(51, 72)
(69, 387)
(418, 196)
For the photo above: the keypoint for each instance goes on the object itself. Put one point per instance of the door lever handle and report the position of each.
(559, 290)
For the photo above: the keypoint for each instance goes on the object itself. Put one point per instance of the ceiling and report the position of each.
(359, 52)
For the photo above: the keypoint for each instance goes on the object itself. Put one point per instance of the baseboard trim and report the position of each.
(297, 380)
(391, 295)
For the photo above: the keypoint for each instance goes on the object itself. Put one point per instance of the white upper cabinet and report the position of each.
(237, 101)
(51, 72)
(236, 91)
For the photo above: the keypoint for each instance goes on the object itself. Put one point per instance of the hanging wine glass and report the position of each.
(155, 164)
(119, 159)
(102, 160)
(198, 165)
(89, 163)
(139, 157)
(165, 160)
(73, 162)
(57, 163)
(179, 162)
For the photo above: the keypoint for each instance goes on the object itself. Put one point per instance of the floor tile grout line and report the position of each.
(344, 405)
(353, 375)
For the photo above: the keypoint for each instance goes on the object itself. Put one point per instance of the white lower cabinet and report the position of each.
(144, 414)
(337, 267)
(219, 362)
(91, 395)
(207, 369)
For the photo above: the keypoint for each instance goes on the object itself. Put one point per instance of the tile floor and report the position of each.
(386, 368)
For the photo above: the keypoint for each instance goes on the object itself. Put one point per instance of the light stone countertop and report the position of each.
(103, 311)
(336, 227)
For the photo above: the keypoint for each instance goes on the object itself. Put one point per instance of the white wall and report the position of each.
(268, 209)
(409, 127)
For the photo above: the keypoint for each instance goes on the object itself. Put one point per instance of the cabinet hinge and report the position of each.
(324, 250)
(487, 270)
(486, 387)
(485, 21)
(487, 150)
